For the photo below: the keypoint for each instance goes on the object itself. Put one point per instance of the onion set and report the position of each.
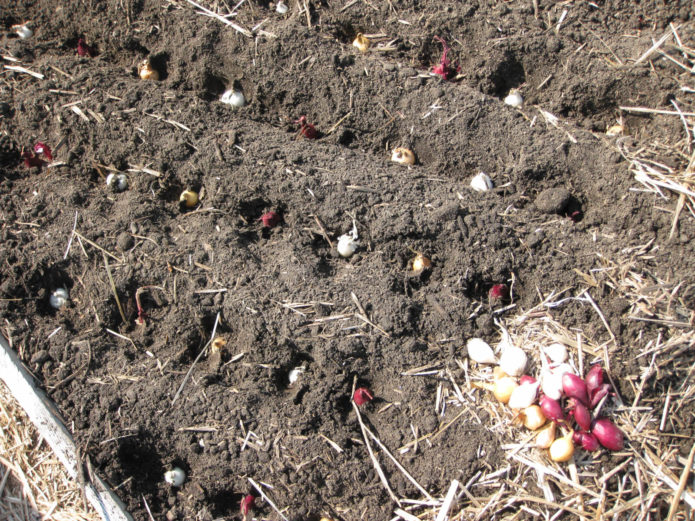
(562, 449)
(146, 71)
(175, 477)
(608, 434)
(22, 30)
(420, 263)
(361, 42)
(479, 351)
(533, 417)
(481, 182)
(59, 298)
(403, 156)
(232, 97)
(188, 198)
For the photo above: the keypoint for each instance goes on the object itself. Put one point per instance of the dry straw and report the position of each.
(33, 483)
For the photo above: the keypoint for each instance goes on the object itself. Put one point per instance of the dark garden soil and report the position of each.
(285, 298)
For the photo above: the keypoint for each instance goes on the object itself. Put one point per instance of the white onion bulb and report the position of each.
(524, 396)
(513, 360)
(175, 477)
(233, 97)
(481, 182)
(59, 298)
(347, 245)
(118, 182)
(556, 352)
(479, 351)
(23, 31)
(294, 374)
(514, 99)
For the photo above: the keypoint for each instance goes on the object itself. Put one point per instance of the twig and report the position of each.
(17, 68)
(264, 496)
(398, 465)
(448, 500)
(113, 288)
(234, 26)
(645, 110)
(653, 48)
(323, 231)
(384, 481)
(72, 236)
(681, 484)
(202, 351)
(688, 136)
(82, 237)
(332, 129)
(147, 507)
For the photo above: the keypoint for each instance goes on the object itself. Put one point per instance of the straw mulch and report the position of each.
(33, 483)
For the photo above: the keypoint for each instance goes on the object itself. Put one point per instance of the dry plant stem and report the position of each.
(377, 467)
(398, 465)
(266, 498)
(234, 26)
(681, 484)
(202, 352)
(113, 287)
(653, 48)
(448, 500)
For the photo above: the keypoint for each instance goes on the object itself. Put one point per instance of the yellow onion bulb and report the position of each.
(420, 263)
(361, 42)
(403, 156)
(503, 388)
(147, 72)
(533, 417)
(188, 198)
(562, 449)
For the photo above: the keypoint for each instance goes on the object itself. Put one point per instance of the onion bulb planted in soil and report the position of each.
(146, 71)
(403, 156)
(175, 477)
(59, 298)
(188, 199)
(361, 42)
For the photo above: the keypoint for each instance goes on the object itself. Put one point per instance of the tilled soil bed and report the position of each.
(565, 215)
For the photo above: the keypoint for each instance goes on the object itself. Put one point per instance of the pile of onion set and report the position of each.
(557, 399)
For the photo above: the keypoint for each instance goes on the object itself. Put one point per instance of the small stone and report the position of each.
(553, 200)
(125, 241)
(40, 357)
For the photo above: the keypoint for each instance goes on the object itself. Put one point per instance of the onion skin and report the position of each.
(552, 409)
(575, 387)
(608, 434)
(581, 414)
